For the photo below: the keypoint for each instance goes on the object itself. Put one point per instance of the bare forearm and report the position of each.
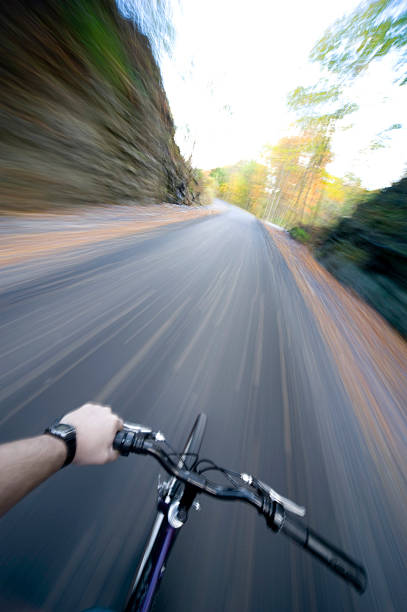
(25, 464)
(87, 439)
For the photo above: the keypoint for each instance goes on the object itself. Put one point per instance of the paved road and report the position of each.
(202, 316)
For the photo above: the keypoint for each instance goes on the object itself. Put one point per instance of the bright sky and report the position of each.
(234, 63)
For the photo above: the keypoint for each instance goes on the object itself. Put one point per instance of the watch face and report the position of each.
(64, 428)
(67, 433)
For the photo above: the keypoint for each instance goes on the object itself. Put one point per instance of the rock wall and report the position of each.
(84, 116)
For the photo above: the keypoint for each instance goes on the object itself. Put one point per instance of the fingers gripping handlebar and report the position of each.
(127, 441)
(145, 442)
(140, 443)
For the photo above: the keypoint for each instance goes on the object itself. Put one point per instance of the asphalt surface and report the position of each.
(200, 316)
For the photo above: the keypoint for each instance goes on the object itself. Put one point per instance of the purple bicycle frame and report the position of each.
(165, 547)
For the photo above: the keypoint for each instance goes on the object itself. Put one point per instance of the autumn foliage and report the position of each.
(292, 185)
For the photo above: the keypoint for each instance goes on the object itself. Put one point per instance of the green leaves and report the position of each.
(373, 30)
(311, 97)
(383, 138)
(316, 106)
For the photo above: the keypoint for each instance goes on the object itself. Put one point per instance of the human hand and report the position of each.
(96, 427)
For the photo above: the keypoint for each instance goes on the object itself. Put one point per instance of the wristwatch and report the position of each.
(67, 433)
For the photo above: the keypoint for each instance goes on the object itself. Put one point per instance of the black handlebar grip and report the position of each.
(118, 439)
(334, 558)
(126, 442)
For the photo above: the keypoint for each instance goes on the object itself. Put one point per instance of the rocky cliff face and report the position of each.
(85, 119)
(368, 252)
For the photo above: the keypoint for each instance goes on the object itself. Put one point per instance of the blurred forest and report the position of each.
(368, 251)
(85, 119)
(359, 236)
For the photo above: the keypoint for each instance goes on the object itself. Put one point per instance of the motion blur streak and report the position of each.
(121, 282)
(199, 316)
(85, 119)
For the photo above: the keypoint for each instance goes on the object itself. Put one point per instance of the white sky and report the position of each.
(235, 61)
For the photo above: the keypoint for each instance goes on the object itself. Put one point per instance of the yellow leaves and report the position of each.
(243, 184)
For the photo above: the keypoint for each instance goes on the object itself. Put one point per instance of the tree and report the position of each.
(371, 31)
(340, 197)
(319, 114)
(154, 19)
(289, 163)
(243, 184)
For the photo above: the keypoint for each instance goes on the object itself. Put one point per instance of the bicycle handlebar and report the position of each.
(127, 441)
(330, 555)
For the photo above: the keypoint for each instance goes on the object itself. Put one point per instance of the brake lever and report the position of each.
(287, 504)
(149, 433)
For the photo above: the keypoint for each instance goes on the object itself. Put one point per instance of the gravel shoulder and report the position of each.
(370, 355)
(28, 236)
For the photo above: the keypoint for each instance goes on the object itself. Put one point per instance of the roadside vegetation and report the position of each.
(360, 236)
(85, 117)
(368, 252)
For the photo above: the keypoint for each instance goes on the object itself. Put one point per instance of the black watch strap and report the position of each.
(67, 433)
